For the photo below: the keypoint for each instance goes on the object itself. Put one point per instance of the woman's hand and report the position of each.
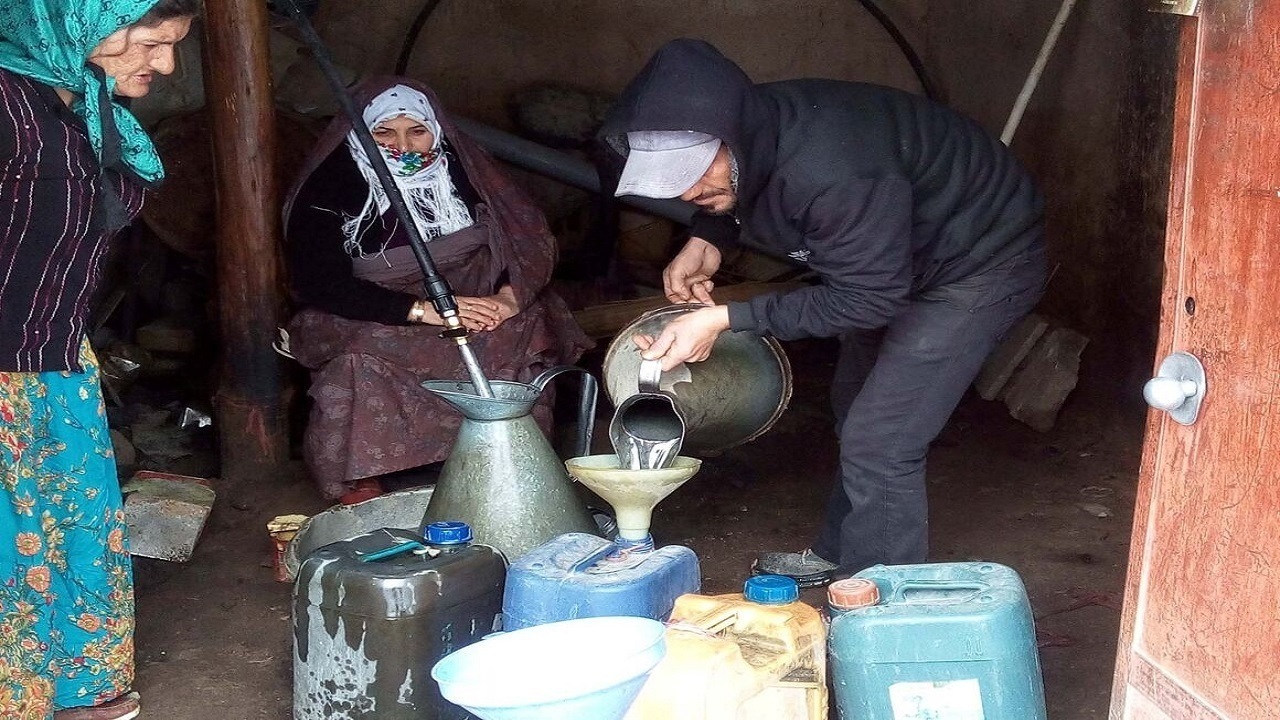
(476, 313)
(688, 338)
(508, 306)
(687, 278)
(482, 313)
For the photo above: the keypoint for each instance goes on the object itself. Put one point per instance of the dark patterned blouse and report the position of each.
(52, 240)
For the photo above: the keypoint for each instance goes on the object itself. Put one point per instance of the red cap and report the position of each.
(852, 593)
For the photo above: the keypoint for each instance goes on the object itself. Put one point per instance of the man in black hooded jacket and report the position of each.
(925, 232)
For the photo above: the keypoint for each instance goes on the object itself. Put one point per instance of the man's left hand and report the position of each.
(688, 338)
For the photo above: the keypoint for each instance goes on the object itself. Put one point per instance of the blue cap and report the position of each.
(771, 589)
(449, 532)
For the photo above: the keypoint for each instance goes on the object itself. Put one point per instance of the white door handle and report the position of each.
(1178, 387)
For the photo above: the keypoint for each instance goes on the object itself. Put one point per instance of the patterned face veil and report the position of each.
(423, 178)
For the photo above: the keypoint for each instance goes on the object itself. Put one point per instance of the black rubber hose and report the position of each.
(411, 40)
(930, 91)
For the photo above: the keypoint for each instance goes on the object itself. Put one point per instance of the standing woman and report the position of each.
(366, 332)
(73, 167)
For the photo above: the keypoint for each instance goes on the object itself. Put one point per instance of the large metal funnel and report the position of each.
(502, 477)
(730, 398)
(632, 493)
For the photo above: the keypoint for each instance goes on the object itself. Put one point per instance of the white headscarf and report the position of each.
(433, 201)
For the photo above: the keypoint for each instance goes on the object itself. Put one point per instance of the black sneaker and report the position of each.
(606, 523)
(807, 568)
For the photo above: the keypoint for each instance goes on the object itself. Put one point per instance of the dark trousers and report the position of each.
(892, 393)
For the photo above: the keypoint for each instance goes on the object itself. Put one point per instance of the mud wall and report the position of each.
(1096, 135)
(475, 53)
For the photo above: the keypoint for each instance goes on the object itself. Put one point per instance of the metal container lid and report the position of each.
(400, 509)
(771, 589)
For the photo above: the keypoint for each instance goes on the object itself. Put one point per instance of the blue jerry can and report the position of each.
(577, 575)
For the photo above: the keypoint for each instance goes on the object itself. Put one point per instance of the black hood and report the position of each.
(689, 85)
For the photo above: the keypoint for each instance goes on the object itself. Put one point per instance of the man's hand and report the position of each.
(688, 338)
(687, 277)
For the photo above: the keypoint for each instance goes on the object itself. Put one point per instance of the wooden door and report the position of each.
(1200, 636)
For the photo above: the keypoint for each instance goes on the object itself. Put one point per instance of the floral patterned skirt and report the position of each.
(66, 583)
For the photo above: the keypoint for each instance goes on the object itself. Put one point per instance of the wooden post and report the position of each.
(250, 404)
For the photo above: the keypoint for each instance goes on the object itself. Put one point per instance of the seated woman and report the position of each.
(366, 332)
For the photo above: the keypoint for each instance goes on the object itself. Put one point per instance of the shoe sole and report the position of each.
(803, 581)
(128, 715)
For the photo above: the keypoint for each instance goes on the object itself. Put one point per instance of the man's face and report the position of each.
(714, 190)
(135, 54)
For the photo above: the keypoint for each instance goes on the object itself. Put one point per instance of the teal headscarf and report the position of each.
(50, 41)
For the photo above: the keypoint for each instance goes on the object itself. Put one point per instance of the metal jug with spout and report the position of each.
(648, 429)
(502, 477)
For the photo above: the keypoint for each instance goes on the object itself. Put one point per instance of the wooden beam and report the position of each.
(605, 320)
(250, 402)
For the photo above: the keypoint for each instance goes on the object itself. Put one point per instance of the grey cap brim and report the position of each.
(665, 173)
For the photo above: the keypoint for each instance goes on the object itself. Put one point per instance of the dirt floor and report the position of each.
(213, 634)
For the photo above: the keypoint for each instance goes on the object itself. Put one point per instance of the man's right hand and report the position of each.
(687, 277)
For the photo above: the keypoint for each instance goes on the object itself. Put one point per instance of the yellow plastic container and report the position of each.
(730, 658)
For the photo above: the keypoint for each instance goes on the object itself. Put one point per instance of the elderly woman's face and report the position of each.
(404, 134)
(133, 55)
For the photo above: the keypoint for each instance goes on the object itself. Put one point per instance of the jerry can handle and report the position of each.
(393, 551)
(901, 589)
(587, 397)
(715, 621)
(592, 558)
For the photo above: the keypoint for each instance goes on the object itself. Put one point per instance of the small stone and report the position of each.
(1096, 510)
(1002, 364)
(1048, 375)
(165, 514)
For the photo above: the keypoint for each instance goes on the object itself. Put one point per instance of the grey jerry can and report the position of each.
(373, 614)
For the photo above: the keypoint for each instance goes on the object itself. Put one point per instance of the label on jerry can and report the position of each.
(950, 699)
